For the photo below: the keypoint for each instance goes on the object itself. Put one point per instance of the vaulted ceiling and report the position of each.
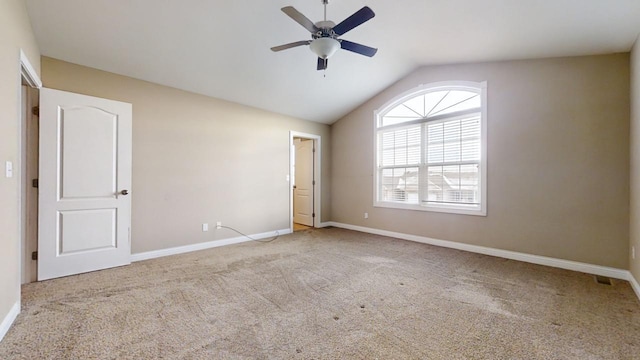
(222, 48)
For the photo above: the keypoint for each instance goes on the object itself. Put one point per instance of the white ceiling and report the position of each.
(221, 48)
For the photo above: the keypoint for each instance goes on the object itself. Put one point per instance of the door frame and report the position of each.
(317, 175)
(27, 76)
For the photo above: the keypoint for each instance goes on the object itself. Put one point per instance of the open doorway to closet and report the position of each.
(30, 85)
(305, 181)
(29, 182)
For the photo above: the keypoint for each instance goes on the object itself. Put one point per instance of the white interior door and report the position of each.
(303, 191)
(85, 176)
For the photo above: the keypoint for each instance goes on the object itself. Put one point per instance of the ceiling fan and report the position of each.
(324, 34)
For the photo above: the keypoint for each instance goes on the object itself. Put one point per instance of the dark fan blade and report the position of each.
(300, 19)
(290, 45)
(322, 63)
(359, 17)
(358, 48)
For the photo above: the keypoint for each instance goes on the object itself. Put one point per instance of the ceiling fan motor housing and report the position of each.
(325, 30)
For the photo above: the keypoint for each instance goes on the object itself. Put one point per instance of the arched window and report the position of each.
(431, 149)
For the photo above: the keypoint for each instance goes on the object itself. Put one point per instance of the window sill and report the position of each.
(475, 211)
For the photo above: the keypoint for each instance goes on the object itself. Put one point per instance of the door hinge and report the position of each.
(313, 215)
(314, 149)
(35, 110)
(34, 255)
(313, 182)
(34, 183)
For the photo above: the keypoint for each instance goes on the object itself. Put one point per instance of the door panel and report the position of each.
(303, 193)
(85, 163)
(86, 230)
(80, 152)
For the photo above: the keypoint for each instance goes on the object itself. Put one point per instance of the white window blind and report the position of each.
(400, 161)
(453, 160)
(429, 151)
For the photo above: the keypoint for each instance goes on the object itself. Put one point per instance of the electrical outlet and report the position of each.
(633, 252)
(366, 215)
(205, 227)
(219, 225)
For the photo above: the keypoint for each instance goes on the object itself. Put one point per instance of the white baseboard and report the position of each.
(534, 259)
(202, 246)
(634, 284)
(9, 319)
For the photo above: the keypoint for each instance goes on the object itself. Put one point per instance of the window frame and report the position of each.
(481, 87)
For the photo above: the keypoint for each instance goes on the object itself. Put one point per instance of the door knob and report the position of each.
(124, 192)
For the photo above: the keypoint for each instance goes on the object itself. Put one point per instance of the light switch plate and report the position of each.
(8, 167)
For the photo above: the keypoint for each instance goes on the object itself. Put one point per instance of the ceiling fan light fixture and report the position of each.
(324, 47)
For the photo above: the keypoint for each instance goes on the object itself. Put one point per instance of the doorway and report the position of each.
(28, 170)
(305, 181)
(28, 183)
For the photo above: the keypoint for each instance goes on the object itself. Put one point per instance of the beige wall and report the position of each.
(198, 159)
(558, 160)
(635, 160)
(15, 34)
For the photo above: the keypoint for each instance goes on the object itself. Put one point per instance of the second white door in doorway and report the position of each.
(303, 190)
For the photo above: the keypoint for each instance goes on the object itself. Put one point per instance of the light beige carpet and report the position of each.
(327, 294)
